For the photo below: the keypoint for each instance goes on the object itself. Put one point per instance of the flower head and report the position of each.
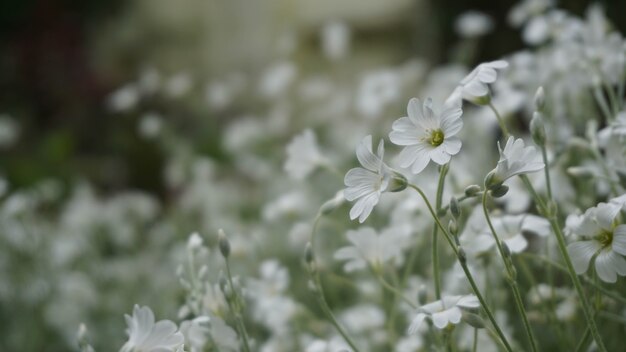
(371, 248)
(475, 86)
(426, 135)
(602, 239)
(144, 335)
(367, 183)
(303, 155)
(447, 310)
(515, 159)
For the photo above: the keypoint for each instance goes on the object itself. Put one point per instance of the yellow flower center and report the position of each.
(436, 138)
(605, 238)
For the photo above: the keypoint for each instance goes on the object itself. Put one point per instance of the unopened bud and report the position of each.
(472, 190)
(537, 129)
(223, 243)
(491, 181)
(453, 228)
(422, 295)
(540, 99)
(500, 191)
(455, 209)
(441, 212)
(580, 171)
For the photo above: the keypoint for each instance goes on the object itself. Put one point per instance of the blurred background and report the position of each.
(101, 102)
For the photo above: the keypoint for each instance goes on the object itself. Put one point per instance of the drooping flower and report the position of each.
(447, 310)
(144, 335)
(475, 86)
(602, 239)
(427, 135)
(515, 159)
(367, 183)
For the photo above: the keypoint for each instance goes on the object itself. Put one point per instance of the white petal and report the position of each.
(414, 110)
(619, 239)
(606, 213)
(581, 253)
(487, 75)
(360, 176)
(366, 156)
(420, 163)
(469, 301)
(516, 244)
(440, 319)
(439, 155)
(452, 145)
(608, 264)
(475, 88)
(416, 323)
(410, 137)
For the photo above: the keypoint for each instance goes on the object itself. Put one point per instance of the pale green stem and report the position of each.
(546, 170)
(552, 219)
(237, 312)
(505, 130)
(606, 111)
(468, 274)
(511, 277)
(392, 289)
(435, 249)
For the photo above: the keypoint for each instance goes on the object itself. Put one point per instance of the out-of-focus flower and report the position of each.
(475, 86)
(601, 239)
(335, 38)
(367, 183)
(144, 335)
(124, 99)
(515, 159)
(427, 135)
(9, 131)
(303, 155)
(376, 91)
(150, 125)
(472, 24)
(276, 79)
(370, 248)
(443, 312)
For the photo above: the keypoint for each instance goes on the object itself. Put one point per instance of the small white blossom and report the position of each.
(443, 312)
(602, 239)
(472, 24)
(427, 135)
(475, 86)
(369, 247)
(303, 155)
(367, 183)
(144, 335)
(516, 159)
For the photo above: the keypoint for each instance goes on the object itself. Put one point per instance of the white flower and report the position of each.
(602, 239)
(426, 135)
(369, 247)
(144, 335)
(475, 86)
(443, 312)
(303, 155)
(472, 24)
(516, 159)
(367, 183)
(335, 40)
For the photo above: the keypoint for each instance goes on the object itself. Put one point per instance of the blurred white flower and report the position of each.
(276, 79)
(427, 135)
(376, 91)
(601, 239)
(124, 99)
(475, 86)
(335, 38)
(144, 335)
(303, 155)
(178, 85)
(367, 183)
(472, 24)
(371, 248)
(9, 131)
(516, 159)
(150, 125)
(443, 312)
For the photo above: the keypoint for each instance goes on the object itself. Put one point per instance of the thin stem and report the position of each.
(505, 130)
(392, 289)
(237, 313)
(552, 219)
(546, 170)
(475, 344)
(511, 277)
(582, 344)
(468, 274)
(601, 100)
(435, 249)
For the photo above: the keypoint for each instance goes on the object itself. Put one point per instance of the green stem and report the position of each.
(505, 130)
(237, 313)
(552, 219)
(392, 289)
(435, 249)
(511, 277)
(475, 344)
(331, 316)
(468, 274)
(546, 170)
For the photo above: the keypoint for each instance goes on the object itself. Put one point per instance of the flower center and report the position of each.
(605, 238)
(436, 138)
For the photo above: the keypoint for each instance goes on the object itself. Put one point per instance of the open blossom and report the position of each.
(144, 335)
(366, 184)
(602, 239)
(427, 135)
(447, 310)
(515, 159)
(475, 86)
(303, 155)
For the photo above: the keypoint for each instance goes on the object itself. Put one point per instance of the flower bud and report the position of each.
(398, 182)
(223, 243)
(422, 295)
(484, 100)
(453, 228)
(491, 181)
(442, 212)
(455, 209)
(580, 171)
(540, 99)
(472, 190)
(537, 129)
(500, 191)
